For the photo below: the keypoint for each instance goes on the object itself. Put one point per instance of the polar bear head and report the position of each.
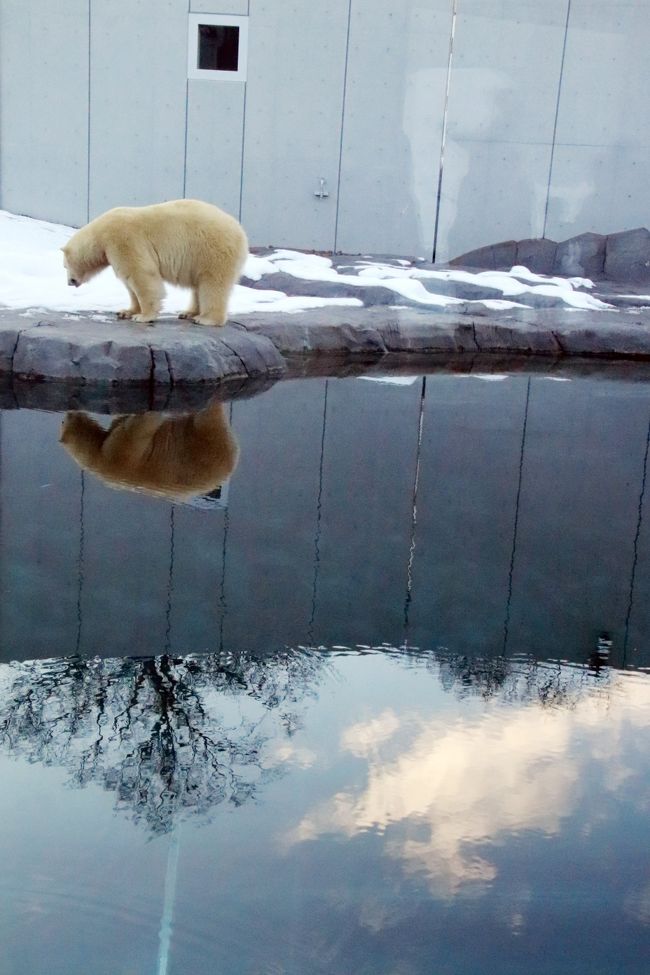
(83, 258)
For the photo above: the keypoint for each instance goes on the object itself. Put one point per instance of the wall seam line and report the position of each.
(90, 4)
(557, 113)
(187, 112)
(243, 149)
(443, 136)
(635, 546)
(243, 123)
(345, 89)
(515, 528)
(187, 99)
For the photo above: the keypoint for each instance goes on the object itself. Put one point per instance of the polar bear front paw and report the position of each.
(125, 313)
(144, 319)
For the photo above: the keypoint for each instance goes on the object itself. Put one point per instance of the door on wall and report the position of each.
(292, 130)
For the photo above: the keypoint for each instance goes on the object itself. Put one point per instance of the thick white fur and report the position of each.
(185, 242)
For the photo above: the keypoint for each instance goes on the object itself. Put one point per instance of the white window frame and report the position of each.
(217, 20)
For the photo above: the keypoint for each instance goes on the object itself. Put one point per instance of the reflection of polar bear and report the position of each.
(177, 457)
(186, 242)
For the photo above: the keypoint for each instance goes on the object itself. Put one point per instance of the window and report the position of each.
(217, 47)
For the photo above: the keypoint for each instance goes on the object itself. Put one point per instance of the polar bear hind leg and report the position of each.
(213, 294)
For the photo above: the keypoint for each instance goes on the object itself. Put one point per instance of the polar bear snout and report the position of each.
(73, 283)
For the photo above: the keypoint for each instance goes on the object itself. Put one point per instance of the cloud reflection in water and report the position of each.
(442, 792)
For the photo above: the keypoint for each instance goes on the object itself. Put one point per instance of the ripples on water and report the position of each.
(314, 803)
(316, 806)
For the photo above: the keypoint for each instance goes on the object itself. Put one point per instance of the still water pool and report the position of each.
(356, 682)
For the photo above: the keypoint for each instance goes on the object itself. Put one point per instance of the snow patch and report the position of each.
(32, 277)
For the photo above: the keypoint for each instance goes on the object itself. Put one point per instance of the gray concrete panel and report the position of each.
(491, 191)
(238, 7)
(582, 483)
(44, 109)
(392, 129)
(506, 70)
(602, 189)
(137, 102)
(604, 97)
(501, 113)
(366, 512)
(467, 498)
(126, 573)
(636, 634)
(294, 103)
(601, 162)
(195, 606)
(215, 126)
(268, 561)
(40, 493)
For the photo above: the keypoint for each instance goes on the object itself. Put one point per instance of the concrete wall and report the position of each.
(437, 124)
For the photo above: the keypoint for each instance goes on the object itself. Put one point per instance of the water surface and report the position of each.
(377, 703)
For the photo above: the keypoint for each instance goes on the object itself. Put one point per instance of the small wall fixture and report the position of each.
(322, 190)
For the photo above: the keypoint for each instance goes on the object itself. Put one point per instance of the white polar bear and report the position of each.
(185, 242)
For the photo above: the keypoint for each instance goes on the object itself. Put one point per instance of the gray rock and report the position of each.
(517, 337)
(505, 255)
(482, 257)
(160, 374)
(464, 290)
(205, 360)
(627, 255)
(73, 351)
(257, 354)
(372, 295)
(8, 340)
(494, 257)
(623, 256)
(293, 286)
(537, 254)
(581, 256)
(352, 264)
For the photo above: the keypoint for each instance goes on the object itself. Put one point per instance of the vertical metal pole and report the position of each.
(169, 900)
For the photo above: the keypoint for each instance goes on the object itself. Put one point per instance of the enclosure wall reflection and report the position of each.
(485, 517)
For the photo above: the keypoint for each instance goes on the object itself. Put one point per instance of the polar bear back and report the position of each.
(186, 238)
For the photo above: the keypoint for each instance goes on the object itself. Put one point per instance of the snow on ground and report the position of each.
(404, 280)
(32, 276)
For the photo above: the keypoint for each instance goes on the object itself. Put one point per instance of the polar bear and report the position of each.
(179, 457)
(185, 242)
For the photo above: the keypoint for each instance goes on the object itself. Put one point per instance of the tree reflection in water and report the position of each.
(523, 679)
(172, 736)
(167, 735)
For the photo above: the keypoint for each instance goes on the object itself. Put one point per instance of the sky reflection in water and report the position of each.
(325, 811)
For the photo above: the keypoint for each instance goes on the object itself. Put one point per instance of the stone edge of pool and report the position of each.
(91, 349)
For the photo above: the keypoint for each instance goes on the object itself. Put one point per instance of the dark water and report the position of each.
(378, 703)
